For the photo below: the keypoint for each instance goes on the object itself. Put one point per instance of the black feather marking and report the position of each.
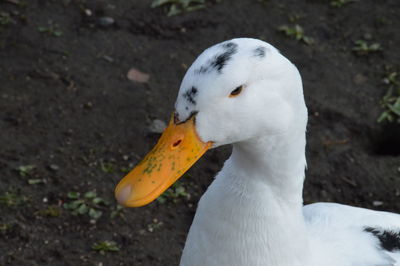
(229, 45)
(192, 114)
(222, 59)
(259, 51)
(389, 240)
(219, 60)
(202, 70)
(190, 95)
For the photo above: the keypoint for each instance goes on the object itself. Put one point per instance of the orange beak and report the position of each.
(176, 151)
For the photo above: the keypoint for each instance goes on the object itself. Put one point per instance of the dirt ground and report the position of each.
(71, 120)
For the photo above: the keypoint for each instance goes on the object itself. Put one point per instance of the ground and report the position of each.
(71, 121)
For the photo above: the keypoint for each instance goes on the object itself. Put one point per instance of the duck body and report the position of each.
(334, 235)
(244, 92)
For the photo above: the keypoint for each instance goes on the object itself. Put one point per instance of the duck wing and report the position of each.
(353, 236)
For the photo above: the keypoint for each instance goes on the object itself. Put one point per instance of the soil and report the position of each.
(68, 109)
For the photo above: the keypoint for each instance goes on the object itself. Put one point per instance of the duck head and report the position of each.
(235, 91)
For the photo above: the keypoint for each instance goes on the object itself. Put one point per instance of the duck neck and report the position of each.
(252, 212)
(276, 162)
(268, 173)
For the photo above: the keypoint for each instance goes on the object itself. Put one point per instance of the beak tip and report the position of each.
(123, 194)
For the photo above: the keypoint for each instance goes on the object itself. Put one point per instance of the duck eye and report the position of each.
(236, 91)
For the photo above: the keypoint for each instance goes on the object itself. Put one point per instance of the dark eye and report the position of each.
(236, 91)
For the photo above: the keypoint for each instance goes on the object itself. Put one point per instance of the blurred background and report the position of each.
(87, 86)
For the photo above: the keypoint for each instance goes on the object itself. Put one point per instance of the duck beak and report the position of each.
(176, 151)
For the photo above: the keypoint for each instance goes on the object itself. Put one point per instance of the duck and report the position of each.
(245, 93)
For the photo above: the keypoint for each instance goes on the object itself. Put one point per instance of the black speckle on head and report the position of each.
(389, 240)
(259, 51)
(220, 60)
(229, 45)
(202, 70)
(190, 95)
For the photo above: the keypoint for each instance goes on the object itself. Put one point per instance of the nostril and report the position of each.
(176, 143)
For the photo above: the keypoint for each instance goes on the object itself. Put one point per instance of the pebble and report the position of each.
(377, 203)
(108, 58)
(105, 21)
(54, 167)
(360, 79)
(88, 12)
(157, 126)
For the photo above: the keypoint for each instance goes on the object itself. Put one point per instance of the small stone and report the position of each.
(137, 76)
(359, 79)
(105, 21)
(54, 167)
(386, 81)
(367, 36)
(45, 200)
(88, 12)
(108, 58)
(157, 126)
(377, 203)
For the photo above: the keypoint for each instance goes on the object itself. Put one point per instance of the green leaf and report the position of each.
(57, 33)
(161, 199)
(83, 208)
(383, 117)
(174, 10)
(51, 211)
(43, 29)
(396, 105)
(375, 47)
(388, 94)
(194, 8)
(180, 191)
(73, 204)
(117, 212)
(308, 40)
(25, 170)
(394, 109)
(157, 3)
(35, 181)
(105, 246)
(73, 195)
(90, 195)
(283, 28)
(97, 200)
(95, 214)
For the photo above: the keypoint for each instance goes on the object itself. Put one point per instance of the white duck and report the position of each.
(244, 92)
